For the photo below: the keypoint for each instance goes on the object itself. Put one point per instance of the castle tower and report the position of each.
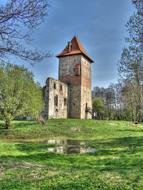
(75, 70)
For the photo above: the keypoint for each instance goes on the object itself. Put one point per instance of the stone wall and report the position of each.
(56, 99)
(68, 75)
(66, 66)
(86, 94)
(75, 71)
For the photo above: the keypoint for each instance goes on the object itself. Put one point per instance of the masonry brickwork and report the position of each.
(70, 96)
(56, 98)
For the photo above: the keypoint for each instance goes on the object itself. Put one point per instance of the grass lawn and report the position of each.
(117, 163)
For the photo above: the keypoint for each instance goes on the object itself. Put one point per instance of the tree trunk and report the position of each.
(7, 123)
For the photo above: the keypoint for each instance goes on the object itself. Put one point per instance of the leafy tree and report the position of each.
(108, 97)
(19, 94)
(18, 19)
(98, 106)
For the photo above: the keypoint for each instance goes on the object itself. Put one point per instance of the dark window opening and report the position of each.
(65, 101)
(56, 100)
(61, 87)
(54, 85)
(77, 70)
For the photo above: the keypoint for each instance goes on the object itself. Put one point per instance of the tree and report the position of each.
(135, 24)
(131, 64)
(110, 101)
(98, 106)
(18, 19)
(108, 97)
(19, 94)
(131, 73)
(139, 5)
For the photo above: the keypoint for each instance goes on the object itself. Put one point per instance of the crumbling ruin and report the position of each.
(70, 95)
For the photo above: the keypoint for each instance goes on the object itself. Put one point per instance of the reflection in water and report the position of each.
(71, 150)
(69, 147)
(63, 146)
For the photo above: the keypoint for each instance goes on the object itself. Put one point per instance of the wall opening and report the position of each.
(54, 85)
(65, 101)
(61, 88)
(56, 100)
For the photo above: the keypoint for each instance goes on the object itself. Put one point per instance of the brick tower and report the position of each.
(75, 70)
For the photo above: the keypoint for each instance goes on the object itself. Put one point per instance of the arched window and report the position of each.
(77, 70)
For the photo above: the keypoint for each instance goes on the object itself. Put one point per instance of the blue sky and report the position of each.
(100, 26)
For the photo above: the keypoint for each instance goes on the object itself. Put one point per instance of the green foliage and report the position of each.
(98, 106)
(19, 94)
(117, 164)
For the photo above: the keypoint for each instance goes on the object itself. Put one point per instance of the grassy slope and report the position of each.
(118, 164)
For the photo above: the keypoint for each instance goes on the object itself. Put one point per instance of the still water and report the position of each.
(68, 146)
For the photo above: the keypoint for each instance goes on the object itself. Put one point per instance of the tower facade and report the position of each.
(75, 71)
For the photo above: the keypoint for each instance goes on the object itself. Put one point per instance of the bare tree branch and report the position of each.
(18, 18)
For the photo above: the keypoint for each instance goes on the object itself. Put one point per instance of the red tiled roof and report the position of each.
(75, 47)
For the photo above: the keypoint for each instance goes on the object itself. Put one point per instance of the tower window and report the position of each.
(77, 70)
(56, 100)
(61, 87)
(65, 101)
(54, 85)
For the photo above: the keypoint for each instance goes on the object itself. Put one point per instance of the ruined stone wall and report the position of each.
(69, 75)
(56, 99)
(86, 96)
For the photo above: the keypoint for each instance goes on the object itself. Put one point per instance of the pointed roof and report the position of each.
(74, 47)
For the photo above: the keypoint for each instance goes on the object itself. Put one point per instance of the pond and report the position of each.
(69, 147)
(66, 146)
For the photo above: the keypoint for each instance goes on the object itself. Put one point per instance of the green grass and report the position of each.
(26, 164)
